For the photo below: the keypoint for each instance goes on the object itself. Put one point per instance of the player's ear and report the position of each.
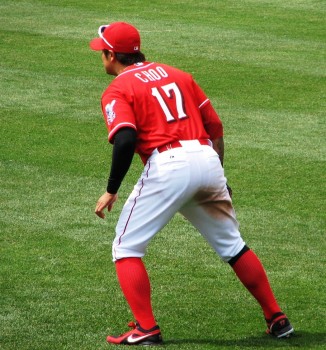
(108, 54)
(112, 55)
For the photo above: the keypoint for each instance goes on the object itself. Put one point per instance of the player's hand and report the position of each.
(105, 201)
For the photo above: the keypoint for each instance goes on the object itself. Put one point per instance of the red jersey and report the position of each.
(163, 104)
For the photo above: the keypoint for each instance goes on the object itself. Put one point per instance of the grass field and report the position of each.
(263, 65)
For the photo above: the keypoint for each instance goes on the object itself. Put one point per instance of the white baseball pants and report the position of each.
(189, 180)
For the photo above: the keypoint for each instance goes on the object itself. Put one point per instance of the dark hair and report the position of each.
(127, 59)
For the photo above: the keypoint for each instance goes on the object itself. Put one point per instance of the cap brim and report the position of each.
(97, 44)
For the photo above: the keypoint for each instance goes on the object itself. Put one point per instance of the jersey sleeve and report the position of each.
(212, 122)
(117, 113)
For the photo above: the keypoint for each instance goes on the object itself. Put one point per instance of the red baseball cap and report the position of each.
(118, 37)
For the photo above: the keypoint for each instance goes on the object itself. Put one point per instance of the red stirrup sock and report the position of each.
(251, 273)
(135, 285)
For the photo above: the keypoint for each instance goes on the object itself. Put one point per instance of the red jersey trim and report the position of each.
(119, 126)
(201, 105)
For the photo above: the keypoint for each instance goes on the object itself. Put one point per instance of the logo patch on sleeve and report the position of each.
(110, 114)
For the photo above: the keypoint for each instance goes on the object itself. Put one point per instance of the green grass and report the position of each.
(262, 63)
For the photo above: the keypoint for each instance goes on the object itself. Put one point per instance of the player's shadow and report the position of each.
(299, 339)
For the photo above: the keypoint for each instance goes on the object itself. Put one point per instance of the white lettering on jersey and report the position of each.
(162, 72)
(175, 97)
(152, 74)
(110, 115)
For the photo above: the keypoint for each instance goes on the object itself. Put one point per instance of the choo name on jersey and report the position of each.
(152, 74)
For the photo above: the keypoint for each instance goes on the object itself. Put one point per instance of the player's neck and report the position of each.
(119, 68)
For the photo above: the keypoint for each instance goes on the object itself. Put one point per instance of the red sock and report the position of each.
(251, 273)
(135, 285)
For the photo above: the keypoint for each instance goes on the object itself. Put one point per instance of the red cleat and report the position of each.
(138, 336)
(279, 326)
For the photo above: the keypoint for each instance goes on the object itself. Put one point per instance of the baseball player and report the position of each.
(161, 113)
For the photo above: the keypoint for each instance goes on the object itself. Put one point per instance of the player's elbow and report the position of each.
(126, 139)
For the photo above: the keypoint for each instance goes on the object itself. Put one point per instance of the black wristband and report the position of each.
(113, 186)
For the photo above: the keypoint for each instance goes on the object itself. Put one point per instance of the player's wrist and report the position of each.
(113, 186)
